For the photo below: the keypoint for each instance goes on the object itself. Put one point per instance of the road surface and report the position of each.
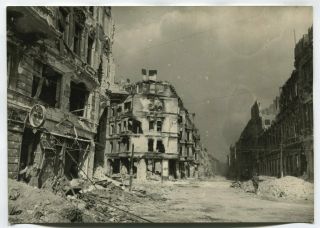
(216, 201)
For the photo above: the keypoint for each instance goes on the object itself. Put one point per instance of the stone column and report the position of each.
(90, 164)
(165, 169)
(142, 170)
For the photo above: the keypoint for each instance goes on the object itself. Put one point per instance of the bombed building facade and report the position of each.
(148, 122)
(148, 118)
(285, 145)
(59, 60)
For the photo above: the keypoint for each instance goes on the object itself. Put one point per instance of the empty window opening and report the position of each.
(159, 126)
(151, 125)
(267, 122)
(135, 126)
(150, 145)
(119, 127)
(189, 136)
(91, 10)
(160, 146)
(125, 143)
(46, 85)
(29, 146)
(124, 125)
(89, 50)
(189, 151)
(116, 166)
(127, 106)
(78, 98)
(77, 38)
(111, 129)
(62, 19)
(71, 164)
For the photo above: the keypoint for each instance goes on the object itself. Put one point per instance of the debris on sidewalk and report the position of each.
(287, 187)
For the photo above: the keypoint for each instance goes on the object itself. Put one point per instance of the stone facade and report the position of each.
(285, 147)
(59, 62)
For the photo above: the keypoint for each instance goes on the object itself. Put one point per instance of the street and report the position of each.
(216, 201)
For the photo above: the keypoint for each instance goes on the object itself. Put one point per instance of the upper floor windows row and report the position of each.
(121, 108)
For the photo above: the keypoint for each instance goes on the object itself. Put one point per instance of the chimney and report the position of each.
(144, 75)
(153, 75)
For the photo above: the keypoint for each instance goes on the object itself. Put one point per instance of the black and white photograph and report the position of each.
(159, 114)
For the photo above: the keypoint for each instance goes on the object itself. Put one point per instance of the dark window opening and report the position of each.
(71, 164)
(62, 19)
(111, 129)
(180, 152)
(46, 86)
(119, 109)
(125, 143)
(135, 126)
(150, 145)
(119, 127)
(267, 122)
(119, 146)
(111, 147)
(91, 10)
(124, 125)
(29, 147)
(78, 98)
(159, 126)
(77, 38)
(127, 106)
(160, 147)
(151, 125)
(89, 50)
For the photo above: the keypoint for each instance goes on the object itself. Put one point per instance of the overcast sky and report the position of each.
(220, 59)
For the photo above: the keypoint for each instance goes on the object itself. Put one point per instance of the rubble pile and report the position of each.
(287, 187)
(78, 201)
(35, 205)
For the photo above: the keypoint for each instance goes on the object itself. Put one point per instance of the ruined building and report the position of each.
(147, 120)
(285, 147)
(59, 62)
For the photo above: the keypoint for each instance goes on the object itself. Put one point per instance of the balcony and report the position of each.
(32, 23)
